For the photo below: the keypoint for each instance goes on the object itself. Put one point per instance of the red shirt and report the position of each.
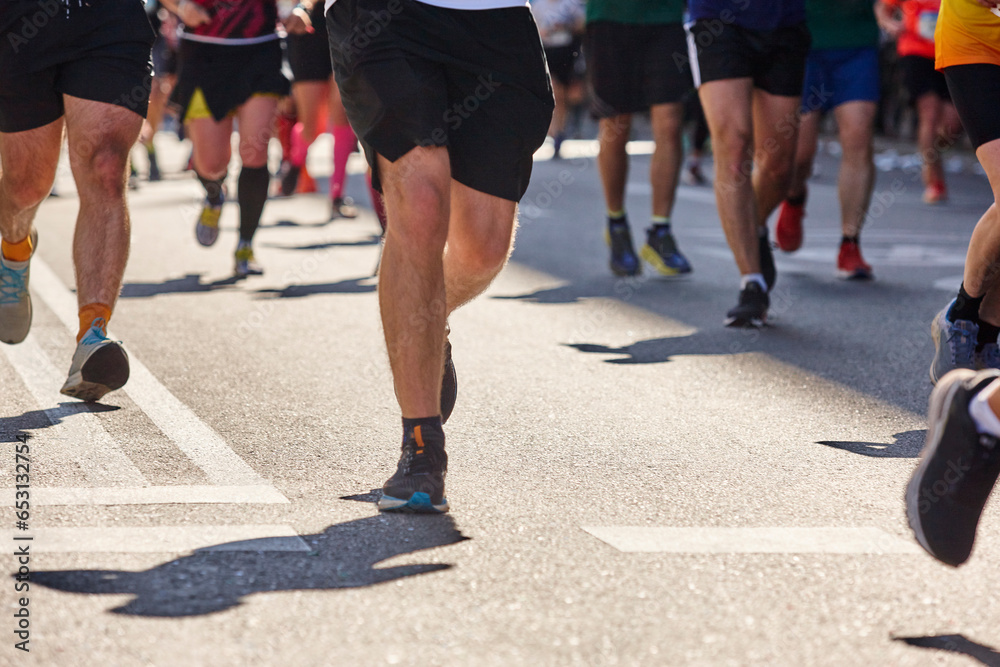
(236, 20)
(919, 21)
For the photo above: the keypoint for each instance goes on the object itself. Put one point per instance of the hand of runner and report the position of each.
(989, 4)
(191, 14)
(299, 24)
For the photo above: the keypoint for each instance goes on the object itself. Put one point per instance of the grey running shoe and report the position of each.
(954, 344)
(957, 471)
(206, 230)
(418, 485)
(99, 365)
(449, 384)
(15, 301)
(751, 311)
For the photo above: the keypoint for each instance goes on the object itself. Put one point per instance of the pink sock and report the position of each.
(299, 147)
(344, 142)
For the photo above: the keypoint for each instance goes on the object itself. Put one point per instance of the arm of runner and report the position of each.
(886, 17)
(190, 13)
(299, 23)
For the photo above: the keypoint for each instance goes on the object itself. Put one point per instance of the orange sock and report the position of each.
(17, 252)
(91, 312)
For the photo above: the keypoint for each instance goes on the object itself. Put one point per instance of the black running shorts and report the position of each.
(228, 75)
(920, 78)
(562, 61)
(774, 59)
(412, 74)
(975, 90)
(309, 54)
(97, 51)
(633, 67)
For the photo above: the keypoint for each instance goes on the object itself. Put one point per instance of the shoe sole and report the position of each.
(419, 503)
(650, 255)
(859, 274)
(106, 370)
(746, 322)
(940, 400)
(449, 386)
(209, 242)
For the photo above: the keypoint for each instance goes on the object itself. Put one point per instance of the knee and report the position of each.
(25, 191)
(418, 211)
(483, 254)
(252, 154)
(775, 169)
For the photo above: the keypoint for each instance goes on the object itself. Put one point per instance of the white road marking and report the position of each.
(949, 283)
(157, 495)
(161, 539)
(180, 424)
(711, 540)
(83, 437)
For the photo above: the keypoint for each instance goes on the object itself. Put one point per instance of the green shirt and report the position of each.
(645, 12)
(842, 24)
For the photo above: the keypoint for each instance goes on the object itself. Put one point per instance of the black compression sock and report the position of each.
(432, 424)
(252, 194)
(797, 201)
(213, 189)
(966, 307)
(850, 239)
(988, 333)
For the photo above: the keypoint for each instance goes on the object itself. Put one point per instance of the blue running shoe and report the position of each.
(15, 301)
(662, 253)
(954, 344)
(418, 485)
(99, 365)
(988, 357)
(624, 261)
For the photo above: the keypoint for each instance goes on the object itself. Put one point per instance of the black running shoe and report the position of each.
(418, 485)
(751, 311)
(624, 261)
(343, 207)
(957, 471)
(290, 180)
(767, 261)
(449, 384)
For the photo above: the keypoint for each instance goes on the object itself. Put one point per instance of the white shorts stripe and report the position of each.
(693, 55)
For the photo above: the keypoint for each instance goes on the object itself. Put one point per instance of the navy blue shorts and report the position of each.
(836, 76)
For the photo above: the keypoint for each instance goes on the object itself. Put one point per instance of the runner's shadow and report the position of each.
(986, 655)
(350, 286)
(218, 578)
(34, 420)
(188, 284)
(374, 239)
(662, 350)
(907, 446)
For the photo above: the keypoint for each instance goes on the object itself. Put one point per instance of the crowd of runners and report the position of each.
(385, 76)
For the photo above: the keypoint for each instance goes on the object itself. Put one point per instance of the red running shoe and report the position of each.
(788, 231)
(850, 264)
(935, 193)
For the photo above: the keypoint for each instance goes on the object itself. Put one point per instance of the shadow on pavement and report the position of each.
(12, 427)
(907, 446)
(374, 239)
(986, 655)
(208, 581)
(188, 284)
(350, 286)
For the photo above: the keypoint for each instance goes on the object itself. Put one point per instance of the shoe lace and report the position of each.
(962, 344)
(12, 284)
(415, 463)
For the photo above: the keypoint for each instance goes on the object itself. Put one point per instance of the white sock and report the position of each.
(753, 277)
(982, 415)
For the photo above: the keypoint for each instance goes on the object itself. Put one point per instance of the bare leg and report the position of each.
(310, 104)
(805, 154)
(31, 159)
(775, 130)
(612, 160)
(411, 290)
(665, 166)
(929, 113)
(856, 126)
(99, 138)
(727, 109)
(212, 150)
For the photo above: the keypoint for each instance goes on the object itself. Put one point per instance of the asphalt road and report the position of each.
(631, 482)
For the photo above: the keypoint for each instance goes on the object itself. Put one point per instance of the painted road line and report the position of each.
(157, 495)
(164, 539)
(711, 540)
(176, 421)
(80, 431)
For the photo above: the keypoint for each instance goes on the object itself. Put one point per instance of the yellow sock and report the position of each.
(91, 312)
(17, 252)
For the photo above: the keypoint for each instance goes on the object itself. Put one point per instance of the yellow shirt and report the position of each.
(967, 34)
